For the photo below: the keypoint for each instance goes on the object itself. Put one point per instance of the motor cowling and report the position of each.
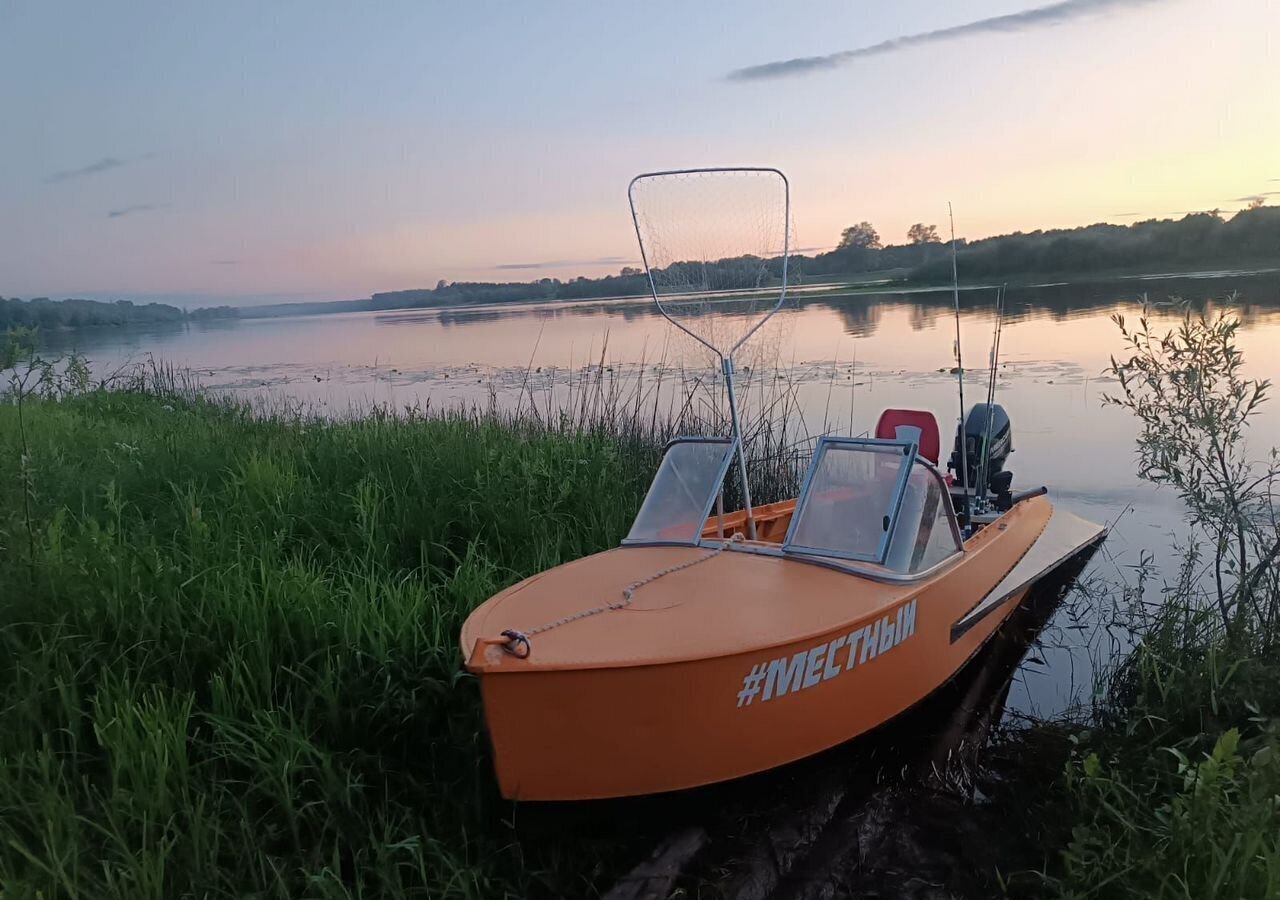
(984, 420)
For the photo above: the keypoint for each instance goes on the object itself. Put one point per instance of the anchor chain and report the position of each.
(518, 643)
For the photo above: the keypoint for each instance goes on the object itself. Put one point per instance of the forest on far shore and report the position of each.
(1250, 237)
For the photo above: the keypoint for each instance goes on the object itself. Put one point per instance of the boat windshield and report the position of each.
(926, 533)
(680, 498)
(875, 502)
(850, 499)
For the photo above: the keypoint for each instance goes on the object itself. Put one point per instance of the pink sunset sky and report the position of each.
(245, 152)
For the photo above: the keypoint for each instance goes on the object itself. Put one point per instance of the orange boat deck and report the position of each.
(711, 602)
(721, 604)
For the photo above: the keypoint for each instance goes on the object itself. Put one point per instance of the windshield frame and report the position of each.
(865, 568)
(908, 450)
(956, 531)
(722, 470)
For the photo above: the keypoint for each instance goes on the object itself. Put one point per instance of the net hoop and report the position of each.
(648, 267)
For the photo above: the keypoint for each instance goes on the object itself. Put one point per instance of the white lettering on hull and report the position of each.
(808, 668)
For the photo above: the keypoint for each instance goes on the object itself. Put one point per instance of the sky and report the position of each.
(248, 152)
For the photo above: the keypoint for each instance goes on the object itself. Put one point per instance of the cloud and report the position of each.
(1261, 195)
(1157, 215)
(224, 262)
(1037, 17)
(106, 164)
(136, 208)
(561, 263)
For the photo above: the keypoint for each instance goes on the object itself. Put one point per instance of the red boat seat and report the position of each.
(910, 421)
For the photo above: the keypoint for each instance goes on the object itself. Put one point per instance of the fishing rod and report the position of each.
(955, 287)
(985, 460)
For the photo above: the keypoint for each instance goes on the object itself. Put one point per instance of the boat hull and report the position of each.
(576, 733)
(613, 732)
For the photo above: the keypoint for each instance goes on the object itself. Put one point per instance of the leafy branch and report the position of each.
(1188, 390)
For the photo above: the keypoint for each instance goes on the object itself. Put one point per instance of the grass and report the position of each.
(1174, 792)
(228, 658)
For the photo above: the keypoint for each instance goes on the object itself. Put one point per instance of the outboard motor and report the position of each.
(974, 434)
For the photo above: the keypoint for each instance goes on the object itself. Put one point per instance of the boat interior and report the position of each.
(877, 505)
(773, 520)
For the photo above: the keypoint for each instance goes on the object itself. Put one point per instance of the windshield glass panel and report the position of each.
(849, 505)
(682, 492)
(923, 536)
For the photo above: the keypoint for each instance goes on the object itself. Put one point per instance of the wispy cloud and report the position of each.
(561, 263)
(106, 164)
(224, 262)
(136, 208)
(1172, 212)
(1261, 195)
(1037, 17)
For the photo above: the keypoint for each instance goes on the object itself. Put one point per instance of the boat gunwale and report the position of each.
(510, 665)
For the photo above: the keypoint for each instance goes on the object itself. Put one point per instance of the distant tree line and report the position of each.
(214, 312)
(467, 293)
(860, 250)
(47, 314)
(1250, 237)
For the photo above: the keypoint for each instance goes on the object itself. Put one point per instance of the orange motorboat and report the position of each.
(712, 645)
(692, 655)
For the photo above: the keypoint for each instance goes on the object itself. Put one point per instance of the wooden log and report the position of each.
(654, 878)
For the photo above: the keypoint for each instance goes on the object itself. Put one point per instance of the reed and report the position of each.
(229, 660)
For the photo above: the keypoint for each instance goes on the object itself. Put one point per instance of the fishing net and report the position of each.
(715, 244)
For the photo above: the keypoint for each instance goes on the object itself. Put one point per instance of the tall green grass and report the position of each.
(1175, 793)
(228, 644)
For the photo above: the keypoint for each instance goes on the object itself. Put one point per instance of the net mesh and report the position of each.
(715, 245)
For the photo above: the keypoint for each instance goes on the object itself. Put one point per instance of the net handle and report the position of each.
(786, 248)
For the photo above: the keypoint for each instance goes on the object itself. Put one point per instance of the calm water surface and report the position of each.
(845, 357)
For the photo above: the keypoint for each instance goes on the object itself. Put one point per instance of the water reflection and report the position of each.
(1257, 298)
